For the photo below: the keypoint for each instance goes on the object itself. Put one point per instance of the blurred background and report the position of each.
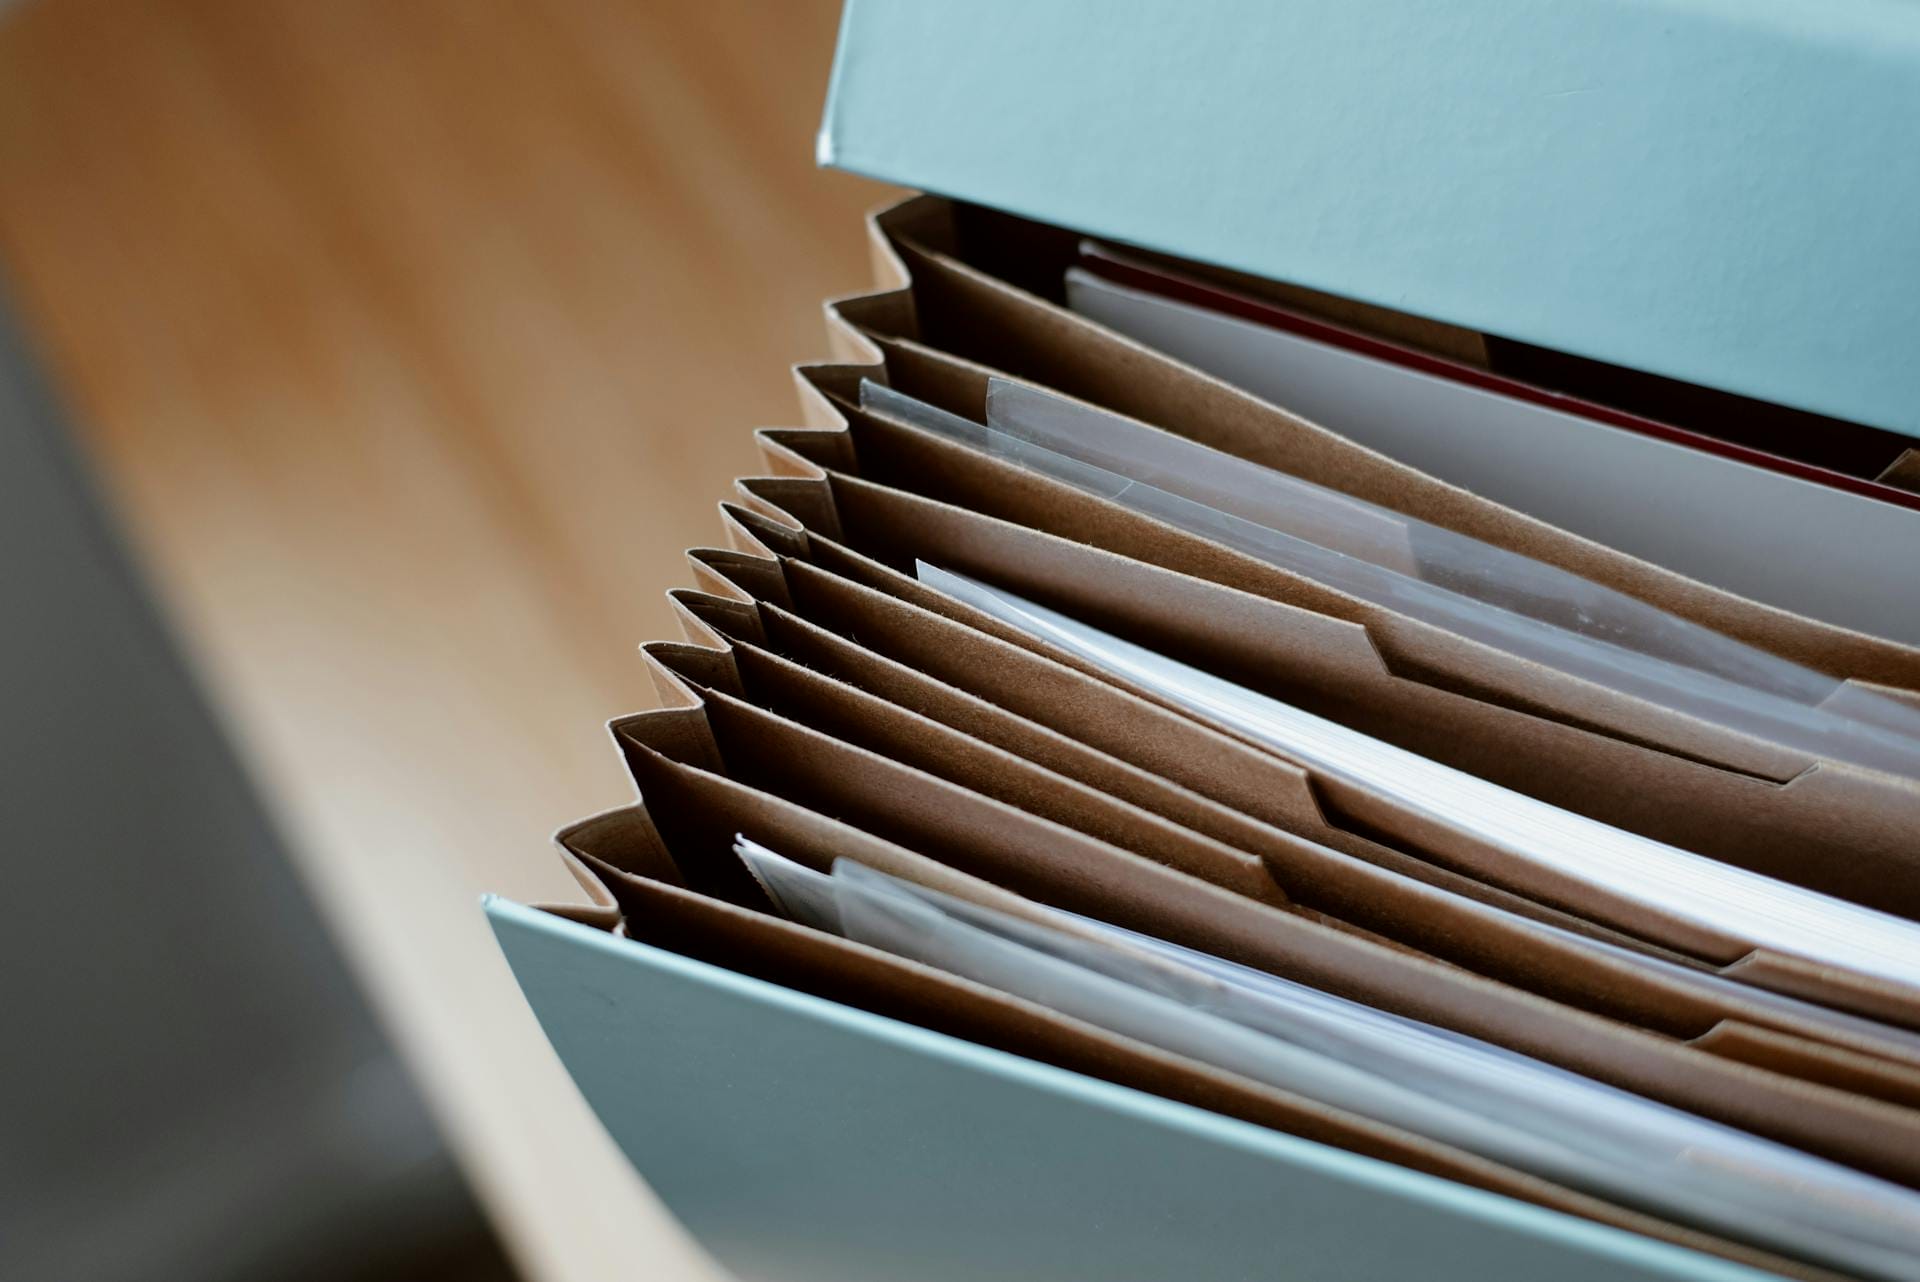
(364, 367)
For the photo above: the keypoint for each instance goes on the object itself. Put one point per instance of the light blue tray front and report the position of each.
(1723, 191)
(805, 1141)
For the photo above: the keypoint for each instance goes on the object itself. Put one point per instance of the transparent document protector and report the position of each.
(1472, 589)
(1430, 1081)
(1546, 844)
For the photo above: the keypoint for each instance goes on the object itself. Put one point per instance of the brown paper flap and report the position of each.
(805, 451)
(964, 310)
(852, 716)
(1064, 697)
(896, 454)
(1903, 473)
(1234, 633)
(1813, 1061)
(680, 684)
(702, 812)
(1846, 699)
(1055, 865)
(833, 654)
(754, 573)
(790, 499)
(759, 534)
(600, 912)
(782, 952)
(892, 313)
(1463, 930)
(872, 674)
(678, 734)
(716, 616)
(624, 839)
(1894, 1003)
(1842, 831)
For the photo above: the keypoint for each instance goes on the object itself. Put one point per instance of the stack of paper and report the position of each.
(1432, 1082)
(1055, 697)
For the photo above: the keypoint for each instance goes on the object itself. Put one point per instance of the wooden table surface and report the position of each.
(413, 339)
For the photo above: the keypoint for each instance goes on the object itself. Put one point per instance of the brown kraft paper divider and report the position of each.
(1083, 359)
(1839, 828)
(1784, 1052)
(1244, 634)
(785, 689)
(959, 386)
(1313, 876)
(891, 452)
(959, 307)
(1046, 862)
(1179, 598)
(629, 864)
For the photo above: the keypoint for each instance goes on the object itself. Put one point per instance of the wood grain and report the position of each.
(413, 341)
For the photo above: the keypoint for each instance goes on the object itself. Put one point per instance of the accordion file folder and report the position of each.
(1710, 194)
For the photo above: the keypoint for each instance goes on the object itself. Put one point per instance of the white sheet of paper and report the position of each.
(1840, 557)
(1531, 611)
(1545, 851)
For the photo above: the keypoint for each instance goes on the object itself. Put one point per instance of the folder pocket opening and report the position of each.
(749, 942)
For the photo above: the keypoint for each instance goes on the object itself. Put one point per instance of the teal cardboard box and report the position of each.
(1722, 191)
(804, 1141)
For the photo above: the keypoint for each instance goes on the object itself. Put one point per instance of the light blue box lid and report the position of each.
(1721, 191)
(806, 1141)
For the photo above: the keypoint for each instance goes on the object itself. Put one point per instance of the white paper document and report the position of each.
(1541, 846)
(1810, 548)
(1532, 611)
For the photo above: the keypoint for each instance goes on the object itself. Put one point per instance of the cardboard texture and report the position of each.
(1381, 892)
(827, 704)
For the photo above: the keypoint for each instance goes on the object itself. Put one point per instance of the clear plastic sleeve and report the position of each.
(1430, 1081)
(1546, 851)
(1472, 589)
